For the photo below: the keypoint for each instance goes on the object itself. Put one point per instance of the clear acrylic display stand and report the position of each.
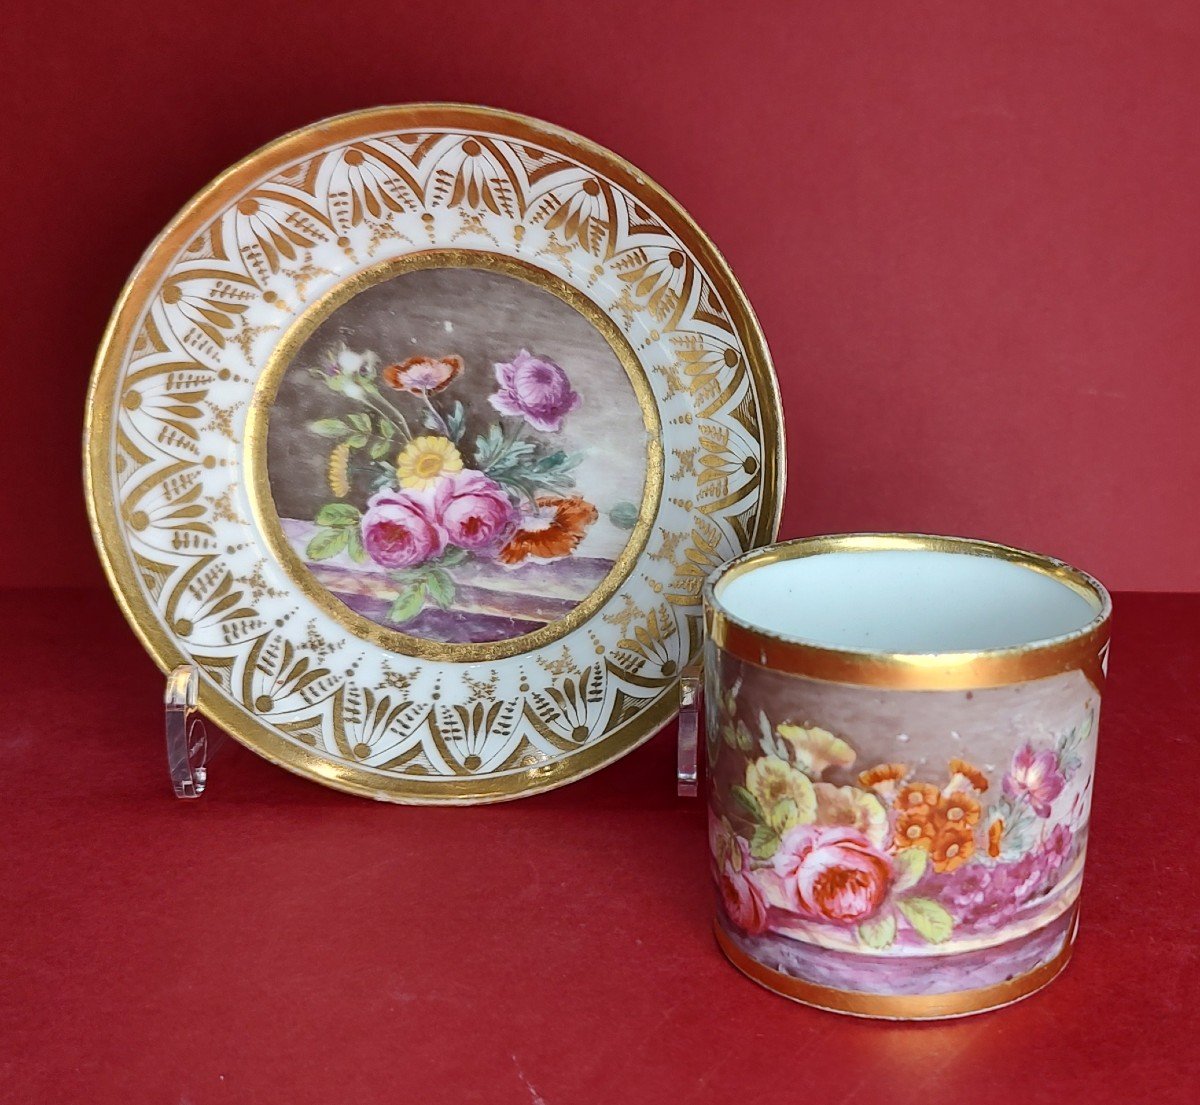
(687, 747)
(189, 751)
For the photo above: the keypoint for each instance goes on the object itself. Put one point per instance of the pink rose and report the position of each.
(832, 873)
(536, 389)
(475, 512)
(1034, 776)
(400, 529)
(741, 895)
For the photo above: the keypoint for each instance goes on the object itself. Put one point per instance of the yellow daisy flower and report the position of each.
(424, 459)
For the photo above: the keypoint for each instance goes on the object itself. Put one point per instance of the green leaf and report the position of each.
(623, 515)
(440, 587)
(354, 544)
(452, 556)
(379, 448)
(358, 441)
(910, 866)
(878, 932)
(387, 428)
(488, 447)
(329, 427)
(765, 842)
(929, 919)
(748, 801)
(326, 543)
(338, 514)
(361, 422)
(553, 461)
(408, 604)
(455, 422)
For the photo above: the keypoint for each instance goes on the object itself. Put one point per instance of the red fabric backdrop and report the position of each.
(970, 229)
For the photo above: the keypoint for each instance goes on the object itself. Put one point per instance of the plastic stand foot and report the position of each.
(189, 751)
(687, 748)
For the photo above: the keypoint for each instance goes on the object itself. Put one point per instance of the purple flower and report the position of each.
(987, 897)
(1025, 877)
(536, 389)
(979, 896)
(1034, 776)
(968, 888)
(1056, 847)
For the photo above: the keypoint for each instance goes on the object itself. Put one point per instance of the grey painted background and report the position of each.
(483, 317)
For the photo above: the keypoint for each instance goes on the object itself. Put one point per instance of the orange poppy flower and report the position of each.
(953, 846)
(552, 533)
(971, 773)
(995, 832)
(422, 375)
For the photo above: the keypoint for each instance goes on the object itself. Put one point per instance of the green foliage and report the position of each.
(326, 543)
(338, 530)
(516, 464)
(440, 587)
(747, 801)
(409, 602)
(338, 514)
(623, 515)
(910, 864)
(765, 842)
(879, 931)
(930, 920)
(456, 422)
(430, 582)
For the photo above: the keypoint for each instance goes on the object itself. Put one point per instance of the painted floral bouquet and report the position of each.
(894, 859)
(436, 501)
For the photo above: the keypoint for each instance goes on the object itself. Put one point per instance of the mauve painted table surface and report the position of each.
(276, 941)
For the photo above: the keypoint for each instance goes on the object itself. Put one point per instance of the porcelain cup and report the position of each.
(901, 739)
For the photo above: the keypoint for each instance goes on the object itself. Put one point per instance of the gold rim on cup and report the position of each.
(1084, 649)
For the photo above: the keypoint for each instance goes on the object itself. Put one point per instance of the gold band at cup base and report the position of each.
(900, 1007)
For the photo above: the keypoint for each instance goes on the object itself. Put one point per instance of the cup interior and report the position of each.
(910, 599)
